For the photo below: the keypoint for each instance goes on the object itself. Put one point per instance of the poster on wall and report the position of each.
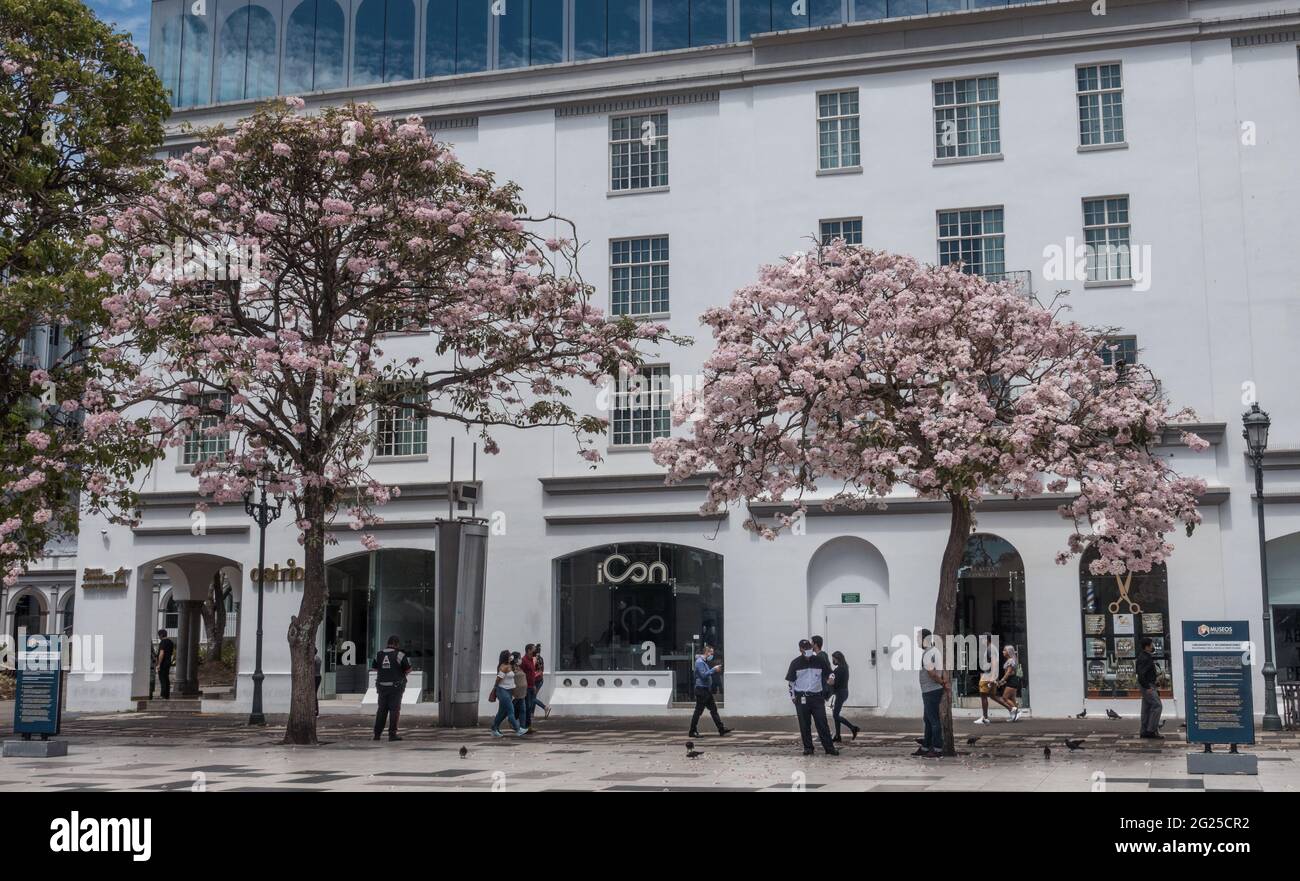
(1123, 624)
(1124, 647)
(1217, 667)
(1152, 623)
(1095, 648)
(1094, 625)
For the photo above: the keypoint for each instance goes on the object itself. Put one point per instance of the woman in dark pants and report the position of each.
(841, 695)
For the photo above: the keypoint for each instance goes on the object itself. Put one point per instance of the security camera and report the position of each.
(103, 532)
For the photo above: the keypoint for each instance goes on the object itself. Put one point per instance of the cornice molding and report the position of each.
(647, 517)
(591, 484)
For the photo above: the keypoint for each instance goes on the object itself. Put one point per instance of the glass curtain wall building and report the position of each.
(213, 51)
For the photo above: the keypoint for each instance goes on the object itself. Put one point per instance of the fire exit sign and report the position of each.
(850, 598)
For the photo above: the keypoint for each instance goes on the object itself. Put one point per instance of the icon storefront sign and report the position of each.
(615, 570)
(291, 572)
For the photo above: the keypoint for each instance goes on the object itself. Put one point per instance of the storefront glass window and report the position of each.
(639, 606)
(1118, 612)
(371, 597)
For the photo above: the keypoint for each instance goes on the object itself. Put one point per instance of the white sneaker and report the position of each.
(1015, 715)
(522, 731)
(982, 720)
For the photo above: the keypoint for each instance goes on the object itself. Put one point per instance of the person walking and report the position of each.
(539, 664)
(934, 685)
(841, 693)
(529, 666)
(1149, 727)
(807, 678)
(817, 642)
(391, 668)
(1008, 684)
(989, 674)
(166, 655)
(704, 672)
(519, 693)
(503, 695)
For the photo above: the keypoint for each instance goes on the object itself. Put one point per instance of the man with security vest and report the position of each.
(391, 666)
(808, 677)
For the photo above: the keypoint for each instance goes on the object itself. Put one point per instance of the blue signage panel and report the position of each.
(36, 703)
(1217, 664)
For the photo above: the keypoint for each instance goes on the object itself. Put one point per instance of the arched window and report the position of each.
(69, 609)
(29, 617)
(246, 54)
(383, 49)
(313, 48)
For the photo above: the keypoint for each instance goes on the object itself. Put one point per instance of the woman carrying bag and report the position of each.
(503, 694)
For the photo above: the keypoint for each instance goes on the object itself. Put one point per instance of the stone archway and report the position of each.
(848, 604)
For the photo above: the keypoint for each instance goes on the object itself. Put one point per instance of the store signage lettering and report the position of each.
(97, 578)
(291, 572)
(615, 570)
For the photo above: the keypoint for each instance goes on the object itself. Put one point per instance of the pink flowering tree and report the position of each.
(80, 115)
(338, 228)
(852, 374)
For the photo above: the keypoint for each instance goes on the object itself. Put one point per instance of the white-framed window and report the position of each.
(966, 117)
(1101, 104)
(201, 442)
(847, 228)
(1115, 349)
(638, 152)
(400, 430)
(838, 141)
(974, 237)
(642, 407)
(638, 275)
(1106, 233)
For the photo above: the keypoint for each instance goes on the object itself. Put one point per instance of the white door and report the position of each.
(851, 629)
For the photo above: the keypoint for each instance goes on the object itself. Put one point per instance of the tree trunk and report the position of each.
(214, 617)
(301, 728)
(945, 607)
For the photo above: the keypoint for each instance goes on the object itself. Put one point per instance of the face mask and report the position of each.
(809, 653)
(708, 657)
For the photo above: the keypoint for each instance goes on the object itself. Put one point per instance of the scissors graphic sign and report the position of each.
(1124, 583)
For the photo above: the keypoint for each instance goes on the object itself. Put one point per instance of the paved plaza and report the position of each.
(219, 753)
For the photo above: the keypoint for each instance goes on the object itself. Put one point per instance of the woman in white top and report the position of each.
(1009, 682)
(989, 671)
(503, 694)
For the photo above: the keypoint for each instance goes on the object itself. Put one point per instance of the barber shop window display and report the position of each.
(639, 606)
(1118, 613)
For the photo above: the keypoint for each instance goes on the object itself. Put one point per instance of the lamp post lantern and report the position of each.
(1255, 424)
(262, 512)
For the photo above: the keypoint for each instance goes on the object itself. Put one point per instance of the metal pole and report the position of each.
(451, 481)
(473, 478)
(1272, 722)
(256, 717)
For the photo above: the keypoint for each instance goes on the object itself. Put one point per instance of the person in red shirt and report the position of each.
(529, 667)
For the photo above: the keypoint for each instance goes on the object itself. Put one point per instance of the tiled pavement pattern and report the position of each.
(219, 753)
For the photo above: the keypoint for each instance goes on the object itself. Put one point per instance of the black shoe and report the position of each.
(394, 737)
(693, 734)
(920, 752)
(837, 739)
(856, 729)
(376, 737)
(832, 752)
(934, 754)
(723, 732)
(920, 741)
(807, 752)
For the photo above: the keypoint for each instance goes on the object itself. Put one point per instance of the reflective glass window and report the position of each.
(755, 18)
(670, 24)
(261, 79)
(472, 35)
(547, 31)
(399, 41)
(870, 10)
(512, 32)
(907, 7)
(708, 22)
(165, 46)
(196, 60)
(368, 43)
(439, 37)
(624, 27)
(588, 29)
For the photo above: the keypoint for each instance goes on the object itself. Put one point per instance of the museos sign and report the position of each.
(615, 570)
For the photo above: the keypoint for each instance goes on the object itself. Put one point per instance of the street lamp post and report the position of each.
(263, 512)
(1255, 431)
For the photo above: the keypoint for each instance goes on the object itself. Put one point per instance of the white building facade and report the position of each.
(992, 133)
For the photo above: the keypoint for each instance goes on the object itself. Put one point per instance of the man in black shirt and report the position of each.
(808, 676)
(166, 655)
(1151, 705)
(391, 666)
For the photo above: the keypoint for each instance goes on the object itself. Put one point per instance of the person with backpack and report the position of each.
(391, 667)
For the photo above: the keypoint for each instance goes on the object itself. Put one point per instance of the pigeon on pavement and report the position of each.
(463, 752)
(1082, 714)
(1111, 714)
(1074, 744)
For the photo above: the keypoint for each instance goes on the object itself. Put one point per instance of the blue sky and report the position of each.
(131, 16)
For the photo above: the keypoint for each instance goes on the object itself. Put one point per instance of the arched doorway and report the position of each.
(1119, 611)
(991, 601)
(372, 596)
(635, 606)
(67, 615)
(848, 593)
(29, 615)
